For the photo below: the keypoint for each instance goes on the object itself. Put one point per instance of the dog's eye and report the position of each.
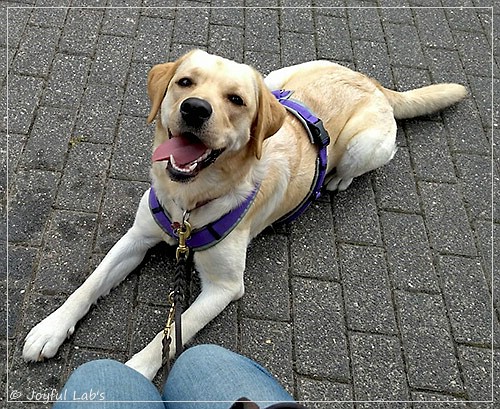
(236, 100)
(185, 82)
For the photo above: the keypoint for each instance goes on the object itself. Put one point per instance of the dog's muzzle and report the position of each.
(195, 111)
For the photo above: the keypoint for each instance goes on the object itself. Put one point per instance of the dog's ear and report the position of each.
(158, 79)
(268, 119)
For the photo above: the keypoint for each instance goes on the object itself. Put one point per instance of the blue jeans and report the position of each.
(203, 377)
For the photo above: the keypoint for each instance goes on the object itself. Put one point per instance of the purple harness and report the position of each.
(213, 233)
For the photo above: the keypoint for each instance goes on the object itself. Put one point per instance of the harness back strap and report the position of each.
(209, 235)
(318, 136)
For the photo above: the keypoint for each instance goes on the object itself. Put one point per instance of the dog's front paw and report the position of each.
(46, 337)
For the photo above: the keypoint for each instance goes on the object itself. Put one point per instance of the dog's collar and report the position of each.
(209, 235)
(318, 136)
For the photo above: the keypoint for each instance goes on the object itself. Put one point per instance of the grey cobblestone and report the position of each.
(408, 255)
(427, 343)
(449, 229)
(365, 282)
(84, 178)
(66, 81)
(378, 369)
(470, 312)
(81, 31)
(379, 292)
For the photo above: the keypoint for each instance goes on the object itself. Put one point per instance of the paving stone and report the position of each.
(477, 181)
(355, 213)
(148, 321)
(266, 279)
(121, 18)
(446, 219)
(80, 356)
(399, 37)
(118, 211)
(312, 243)
(22, 264)
(293, 53)
(320, 334)
(24, 94)
(324, 394)
(66, 253)
(364, 24)
(270, 344)
(427, 343)
(81, 31)
(132, 155)
(84, 177)
(472, 48)
(478, 371)
(157, 8)
(66, 81)
(226, 41)
(470, 311)
(12, 310)
(488, 236)
(395, 186)
(104, 327)
(49, 139)
(156, 273)
(332, 38)
(425, 399)
(372, 59)
(261, 30)
(396, 11)
(222, 331)
(366, 289)
(16, 21)
(378, 368)
(97, 118)
(480, 87)
(409, 258)
(191, 26)
(262, 61)
(430, 28)
(33, 194)
(46, 15)
(153, 40)
(112, 60)
(39, 44)
(406, 78)
(463, 20)
(297, 16)
(136, 101)
(228, 13)
(468, 137)
(429, 151)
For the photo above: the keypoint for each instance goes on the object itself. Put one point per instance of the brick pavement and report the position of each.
(379, 293)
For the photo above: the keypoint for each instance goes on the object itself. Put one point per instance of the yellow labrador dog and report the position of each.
(221, 136)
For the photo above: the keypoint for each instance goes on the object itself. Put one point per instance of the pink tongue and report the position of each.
(182, 149)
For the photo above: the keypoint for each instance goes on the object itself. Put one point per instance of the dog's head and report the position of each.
(207, 108)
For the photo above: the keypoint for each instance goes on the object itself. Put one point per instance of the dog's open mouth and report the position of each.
(186, 156)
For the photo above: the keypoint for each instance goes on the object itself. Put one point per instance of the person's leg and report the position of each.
(111, 385)
(208, 373)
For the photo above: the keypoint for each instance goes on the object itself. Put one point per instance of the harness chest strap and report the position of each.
(209, 235)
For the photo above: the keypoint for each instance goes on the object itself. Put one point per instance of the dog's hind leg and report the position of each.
(44, 339)
(366, 151)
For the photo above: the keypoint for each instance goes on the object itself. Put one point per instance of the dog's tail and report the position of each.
(423, 101)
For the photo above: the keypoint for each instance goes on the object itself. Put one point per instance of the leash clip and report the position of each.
(183, 232)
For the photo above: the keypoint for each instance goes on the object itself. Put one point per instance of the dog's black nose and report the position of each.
(195, 111)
